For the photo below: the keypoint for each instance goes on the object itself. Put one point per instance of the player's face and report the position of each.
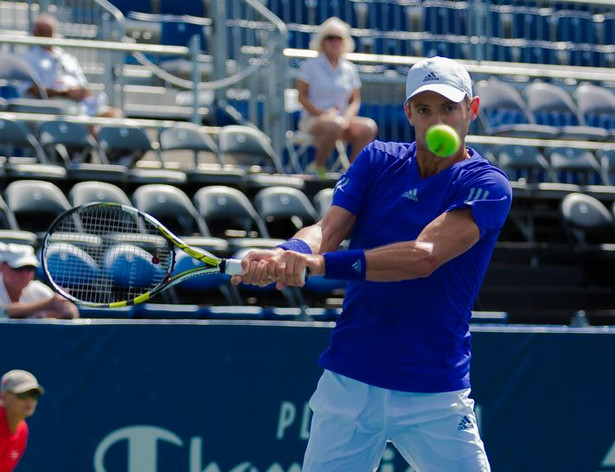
(430, 108)
(22, 405)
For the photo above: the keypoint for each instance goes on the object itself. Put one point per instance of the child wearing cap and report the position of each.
(19, 392)
(23, 297)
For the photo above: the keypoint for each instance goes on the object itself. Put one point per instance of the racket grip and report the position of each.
(233, 267)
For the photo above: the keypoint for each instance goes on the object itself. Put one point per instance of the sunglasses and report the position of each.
(32, 394)
(333, 38)
(24, 269)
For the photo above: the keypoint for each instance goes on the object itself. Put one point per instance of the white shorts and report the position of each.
(352, 422)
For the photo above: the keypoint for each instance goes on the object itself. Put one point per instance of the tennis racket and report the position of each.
(108, 255)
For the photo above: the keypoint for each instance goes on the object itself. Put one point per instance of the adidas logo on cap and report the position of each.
(430, 77)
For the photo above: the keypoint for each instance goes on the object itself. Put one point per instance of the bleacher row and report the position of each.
(533, 32)
(546, 110)
(220, 219)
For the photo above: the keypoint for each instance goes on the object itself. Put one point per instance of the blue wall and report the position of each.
(222, 397)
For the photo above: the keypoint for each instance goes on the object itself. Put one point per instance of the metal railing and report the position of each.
(251, 65)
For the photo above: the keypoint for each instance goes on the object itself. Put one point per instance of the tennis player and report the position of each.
(422, 231)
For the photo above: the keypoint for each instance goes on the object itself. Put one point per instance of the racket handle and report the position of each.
(233, 267)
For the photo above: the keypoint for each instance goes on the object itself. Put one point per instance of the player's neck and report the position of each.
(429, 164)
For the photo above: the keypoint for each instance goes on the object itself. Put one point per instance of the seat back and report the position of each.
(188, 137)
(245, 146)
(35, 203)
(524, 163)
(125, 143)
(500, 104)
(586, 219)
(606, 158)
(15, 134)
(575, 166)
(95, 191)
(172, 207)
(551, 105)
(285, 210)
(228, 213)
(596, 105)
(68, 139)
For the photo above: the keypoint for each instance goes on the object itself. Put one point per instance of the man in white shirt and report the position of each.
(23, 297)
(61, 76)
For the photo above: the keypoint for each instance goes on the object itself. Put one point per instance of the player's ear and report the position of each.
(474, 107)
(407, 111)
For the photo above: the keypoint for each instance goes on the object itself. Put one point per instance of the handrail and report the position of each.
(123, 46)
(482, 67)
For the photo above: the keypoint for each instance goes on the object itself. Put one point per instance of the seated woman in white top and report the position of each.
(329, 91)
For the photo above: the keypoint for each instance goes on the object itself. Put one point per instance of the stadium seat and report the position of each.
(172, 207)
(207, 168)
(597, 106)
(72, 144)
(244, 146)
(587, 221)
(606, 158)
(575, 166)
(35, 204)
(129, 265)
(95, 191)
(16, 138)
(551, 105)
(504, 113)
(524, 164)
(284, 210)
(71, 268)
(9, 229)
(229, 214)
(126, 145)
(250, 149)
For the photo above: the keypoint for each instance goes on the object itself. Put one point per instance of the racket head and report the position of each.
(107, 255)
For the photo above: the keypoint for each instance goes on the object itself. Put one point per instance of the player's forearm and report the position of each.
(400, 261)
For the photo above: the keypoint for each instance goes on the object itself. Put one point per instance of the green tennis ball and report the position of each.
(442, 140)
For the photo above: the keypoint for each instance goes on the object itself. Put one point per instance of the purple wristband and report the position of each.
(297, 245)
(345, 265)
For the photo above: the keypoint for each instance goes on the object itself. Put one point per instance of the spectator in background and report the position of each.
(19, 391)
(61, 75)
(23, 297)
(329, 90)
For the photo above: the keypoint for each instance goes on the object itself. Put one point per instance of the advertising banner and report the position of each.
(232, 397)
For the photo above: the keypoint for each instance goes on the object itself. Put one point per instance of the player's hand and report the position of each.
(292, 268)
(254, 265)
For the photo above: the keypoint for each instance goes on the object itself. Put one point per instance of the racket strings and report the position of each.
(106, 254)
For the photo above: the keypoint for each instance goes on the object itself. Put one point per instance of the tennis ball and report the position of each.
(442, 140)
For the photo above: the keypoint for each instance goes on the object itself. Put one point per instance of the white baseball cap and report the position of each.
(441, 75)
(20, 255)
(20, 381)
